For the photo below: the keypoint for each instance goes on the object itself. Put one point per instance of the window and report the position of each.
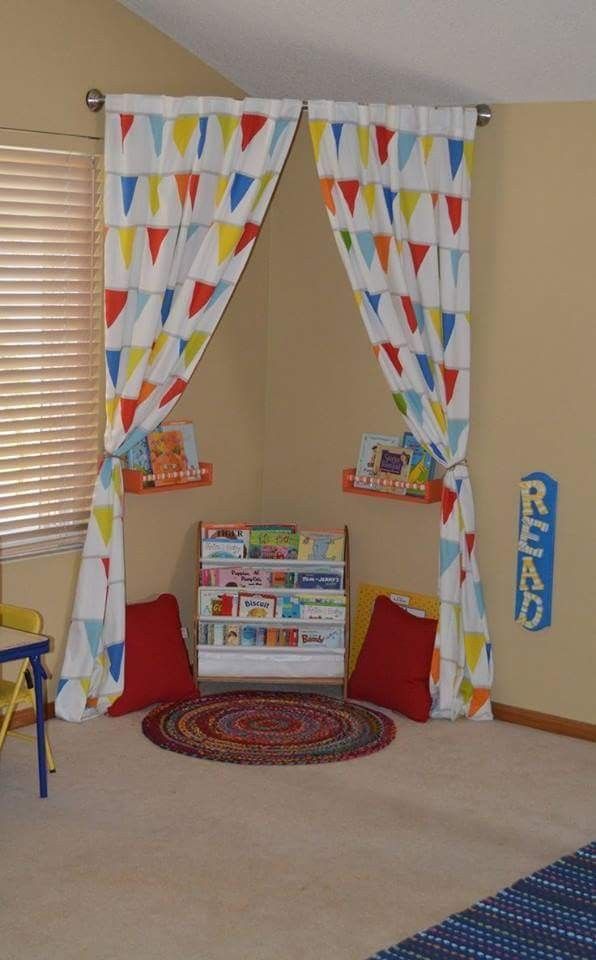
(50, 348)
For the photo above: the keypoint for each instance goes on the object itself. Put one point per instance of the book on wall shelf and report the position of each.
(272, 603)
(165, 458)
(394, 466)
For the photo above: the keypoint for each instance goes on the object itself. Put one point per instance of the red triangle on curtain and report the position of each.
(178, 387)
(393, 354)
(200, 296)
(193, 185)
(127, 411)
(450, 379)
(106, 565)
(384, 137)
(156, 236)
(349, 189)
(418, 251)
(126, 122)
(326, 184)
(182, 184)
(115, 301)
(250, 125)
(448, 498)
(409, 312)
(454, 208)
(470, 538)
(249, 233)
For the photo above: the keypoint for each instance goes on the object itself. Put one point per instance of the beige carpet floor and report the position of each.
(141, 854)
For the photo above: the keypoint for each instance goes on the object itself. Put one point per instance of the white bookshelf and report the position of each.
(270, 664)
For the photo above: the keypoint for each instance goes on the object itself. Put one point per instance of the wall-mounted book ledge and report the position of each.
(137, 482)
(429, 492)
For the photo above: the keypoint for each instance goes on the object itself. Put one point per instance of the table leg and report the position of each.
(39, 720)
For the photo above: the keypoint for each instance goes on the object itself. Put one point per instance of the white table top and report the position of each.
(10, 638)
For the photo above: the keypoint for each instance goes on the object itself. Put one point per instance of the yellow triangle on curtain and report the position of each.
(111, 405)
(126, 236)
(437, 321)
(135, 355)
(364, 144)
(427, 145)
(222, 186)
(229, 235)
(193, 346)
(408, 200)
(265, 181)
(317, 129)
(369, 192)
(228, 125)
(184, 127)
(154, 180)
(439, 415)
(104, 517)
(158, 347)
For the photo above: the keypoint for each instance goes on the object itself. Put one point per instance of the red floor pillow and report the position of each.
(156, 667)
(393, 667)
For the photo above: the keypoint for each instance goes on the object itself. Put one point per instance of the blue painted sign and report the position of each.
(536, 550)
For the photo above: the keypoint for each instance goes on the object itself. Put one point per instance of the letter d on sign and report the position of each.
(535, 560)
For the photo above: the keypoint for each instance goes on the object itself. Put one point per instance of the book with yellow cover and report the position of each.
(321, 545)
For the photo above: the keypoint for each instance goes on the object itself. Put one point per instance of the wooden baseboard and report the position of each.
(545, 721)
(24, 718)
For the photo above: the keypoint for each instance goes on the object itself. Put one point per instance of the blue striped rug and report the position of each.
(550, 915)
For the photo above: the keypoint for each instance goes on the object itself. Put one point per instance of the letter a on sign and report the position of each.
(535, 551)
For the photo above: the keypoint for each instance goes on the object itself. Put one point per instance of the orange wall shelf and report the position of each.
(432, 489)
(133, 481)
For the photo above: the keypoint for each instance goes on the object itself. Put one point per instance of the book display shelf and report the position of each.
(276, 616)
(136, 482)
(428, 491)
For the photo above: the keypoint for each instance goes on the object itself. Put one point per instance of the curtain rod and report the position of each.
(95, 100)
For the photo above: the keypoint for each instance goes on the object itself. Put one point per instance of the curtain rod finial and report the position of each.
(485, 114)
(94, 99)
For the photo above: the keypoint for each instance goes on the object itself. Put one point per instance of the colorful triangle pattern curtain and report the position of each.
(396, 185)
(187, 184)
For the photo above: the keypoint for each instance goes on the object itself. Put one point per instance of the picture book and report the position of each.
(323, 608)
(213, 603)
(319, 580)
(320, 637)
(248, 636)
(392, 463)
(290, 527)
(237, 532)
(239, 577)
(138, 458)
(288, 606)
(422, 464)
(365, 468)
(256, 605)
(231, 634)
(274, 544)
(271, 637)
(290, 637)
(222, 549)
(282, 578)
(321, 545)
(189, 443)
(168, 459)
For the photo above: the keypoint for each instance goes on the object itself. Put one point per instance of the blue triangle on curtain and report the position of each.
(93, 629)
(337, 129)
(280, 125)
(366, 242)
(181, 346)
(221, 287)
(456, 256)
(390, 196)
(61, 684)
(419, 311)
(113, 364)
(414, 405)
(479, 597)
(192, 229)
(456, 152)
(426, 370)
(105, 474)
(405, 145)
(156, 122)
(373, 299)
(448, 551)
(240, 184)
(128, 185)
(448, 323)
(455, 429)
(202, 135)
(143, 298)
(458, 485)
(489, 649)
(115, 652)
(437, 453)
(166, 304)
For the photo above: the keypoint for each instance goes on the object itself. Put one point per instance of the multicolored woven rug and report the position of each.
(268, 728)
(550, 915)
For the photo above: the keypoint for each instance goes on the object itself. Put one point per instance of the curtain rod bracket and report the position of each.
(95, 100)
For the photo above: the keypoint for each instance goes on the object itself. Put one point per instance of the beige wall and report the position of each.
(56, 51)
(532, 400)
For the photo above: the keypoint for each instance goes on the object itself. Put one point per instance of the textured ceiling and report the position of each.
(421, 51)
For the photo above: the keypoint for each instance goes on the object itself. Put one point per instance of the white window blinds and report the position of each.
(50, 346)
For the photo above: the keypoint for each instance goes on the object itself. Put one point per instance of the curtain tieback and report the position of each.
(458, 463)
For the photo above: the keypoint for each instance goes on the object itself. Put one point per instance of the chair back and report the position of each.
(20, 618)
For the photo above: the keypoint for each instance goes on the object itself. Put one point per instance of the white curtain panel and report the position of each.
(187, 184)
(395, 181)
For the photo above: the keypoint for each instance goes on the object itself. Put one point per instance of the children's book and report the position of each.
(186, 429)
(288, 606)
(256, 605)
(222, 549)
(213, 603)
(248, 636)
(290, 527)
(323, 608)
(365, 468)
(239, 577)
(168, 459)
(282, 578)
(273, 544)
(319, 580)
(237, 532)
(392, 463)
(231, 634)
(321, 545)
(320, 637)
(422, 464)
(138, 458)
(271, 637)
(290, 636)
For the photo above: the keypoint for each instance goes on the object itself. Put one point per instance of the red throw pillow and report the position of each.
(156, 667)
(393, 667)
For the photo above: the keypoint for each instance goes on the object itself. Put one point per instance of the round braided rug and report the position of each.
(268, 728)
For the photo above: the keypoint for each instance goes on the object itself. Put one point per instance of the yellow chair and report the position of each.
(20, 691)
